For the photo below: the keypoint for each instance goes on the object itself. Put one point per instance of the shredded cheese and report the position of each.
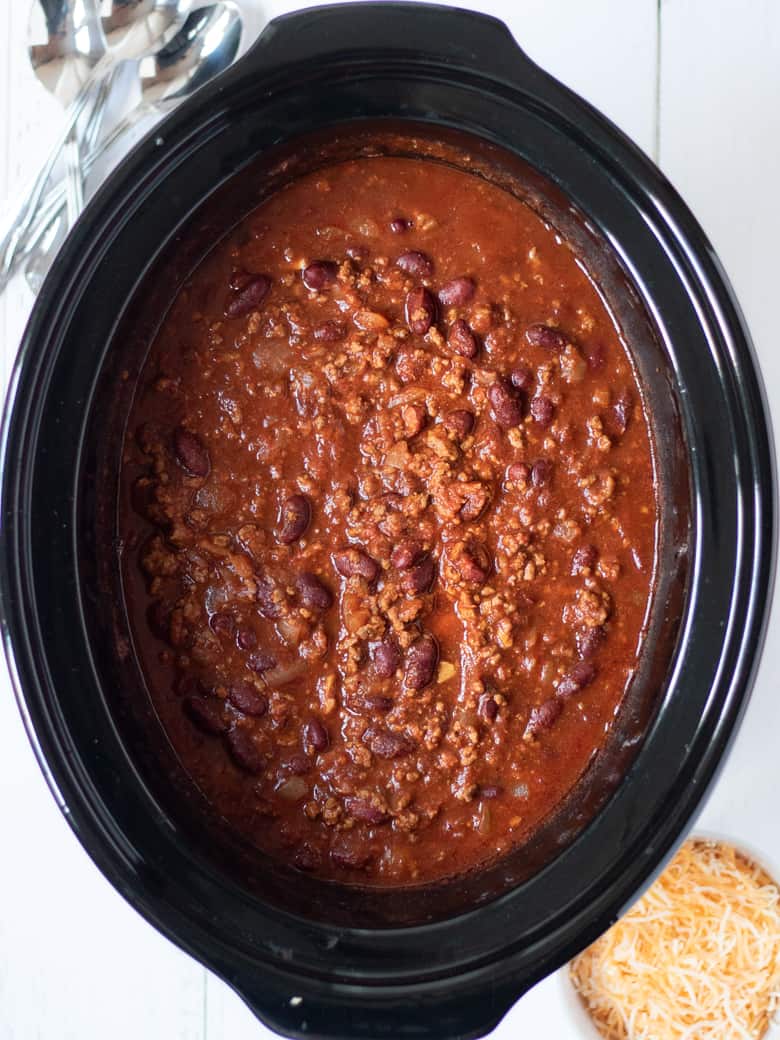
(697, 958)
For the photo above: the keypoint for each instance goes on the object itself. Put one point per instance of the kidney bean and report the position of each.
(488, 707)
(459, 423)
(543, 717)
(222, 624)
(542, 410)
(490, 790)
(357, 253)
(244, 751)
(519, 473)
(248, 296)
(476, 502)
(298, 764)
(419, 577)
(577, 678)
(294, 518)
(457, 292)
(405, 554)
(188, 685)
(315, 736)
(584, 559)
(246, 638)
(541, 472)
(206, 713)
(521, 377)
(462, 340)
(545, 336)
(420, 310)
(261, 662)
(505, 405)
(319, 273)
(191, 453)
(268, 601)
(355, 563)
(421, 660)
(158, 617)
(473, 563)
(330, 331)
(247, 698)
(386, 743)
(380, 704)
(350, 857)
(385, 657)
(365, 811)
(415, 264)
(589, 640)
(313, 593)
(307, 857)
(622, 411)
(398, 225)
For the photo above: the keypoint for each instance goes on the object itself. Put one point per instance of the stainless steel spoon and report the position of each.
(206, 45)
(144, 25)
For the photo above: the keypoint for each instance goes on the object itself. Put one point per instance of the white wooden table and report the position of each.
(697, 84)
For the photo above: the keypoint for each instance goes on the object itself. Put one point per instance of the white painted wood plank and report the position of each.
(720, 145)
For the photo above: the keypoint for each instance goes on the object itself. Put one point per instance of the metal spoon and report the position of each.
(150, 17)
(206, 45)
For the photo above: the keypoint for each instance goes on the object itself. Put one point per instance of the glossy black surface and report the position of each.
(457, 976)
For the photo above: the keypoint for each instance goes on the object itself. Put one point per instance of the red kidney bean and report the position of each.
(420, 310)
(541, 472)
(416, 265)
(490, 790)
(355, 563)
(473, 564)
(385, 657)
(268, 602)
(462, 340)
(519, 473)
(298, 764)
(246, 638)
(421, 660)
(542, 410)
(589, 640)
(457, 292)
(475, 504)
(544, 716)
(459, 423)
(244, 751)
(222, 624)
(584, 559)
(365, 811)
(357, 253)
(488, 707)
(622, 411)
(505, 405)
(398, 225)
(191, 453)
(248, 296)
(350, 857)
(315, 736)
(158, 617)
(307, 857)
(405, 554)
(419, 577)
(206, 713)
(380, 704)
(261, 662)
(247, 698)
(522, 377)
(386, 743)
(294, 518)
(187, 685)
(545, 336)
(330, 331)
(313, 593)
(577, 678)
(319, 273)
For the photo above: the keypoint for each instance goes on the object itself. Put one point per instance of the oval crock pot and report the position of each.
(351, 973)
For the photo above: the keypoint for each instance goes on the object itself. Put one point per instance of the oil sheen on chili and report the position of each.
(389, 512)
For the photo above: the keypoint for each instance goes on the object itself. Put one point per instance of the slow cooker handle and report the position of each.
(417, 32)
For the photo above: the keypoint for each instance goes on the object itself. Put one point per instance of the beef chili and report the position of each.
(388, 513)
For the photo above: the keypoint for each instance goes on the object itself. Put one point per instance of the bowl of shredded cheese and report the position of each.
(696, 958)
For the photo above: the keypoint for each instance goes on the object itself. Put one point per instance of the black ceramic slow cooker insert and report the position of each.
(313, 959)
